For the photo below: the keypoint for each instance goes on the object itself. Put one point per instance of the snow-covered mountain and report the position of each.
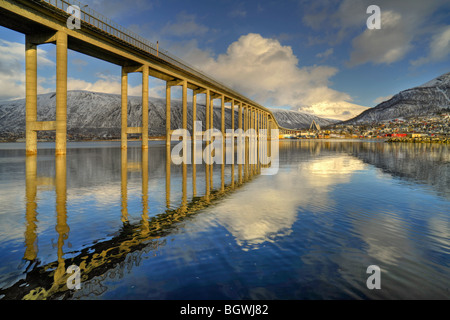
(99, 114)
(298, 120)
(428, 99)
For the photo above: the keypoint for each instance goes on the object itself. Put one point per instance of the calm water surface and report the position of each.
(139, 229)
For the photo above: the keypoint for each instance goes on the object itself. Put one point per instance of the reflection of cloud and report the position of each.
(263, 219)
(385, 244)
(277, 200)
(335, 169)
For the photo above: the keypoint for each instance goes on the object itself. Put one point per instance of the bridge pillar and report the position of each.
(232, 142)
(194, 143)
(125, 130)
(31, 96)
(61, 93)
(124, 107)
(168, 93)
(145, 75)
(232, 116)
(169, 85)
(222, 126)
(32, 125)
(240, 146)
(184, 102)
(208, 126)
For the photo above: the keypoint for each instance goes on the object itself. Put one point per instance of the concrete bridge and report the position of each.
(45, 21)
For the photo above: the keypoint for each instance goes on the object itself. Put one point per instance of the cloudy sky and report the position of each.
(316, 56)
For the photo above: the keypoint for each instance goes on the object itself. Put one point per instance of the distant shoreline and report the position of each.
(419, 140)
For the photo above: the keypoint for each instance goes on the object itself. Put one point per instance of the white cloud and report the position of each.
(184, 25)
(382, 99)
(439, 48)
(387, 45)
(119, 8)
(104, 84)
(325, 54)
(12, 69)
(404, 25)
(268, 72)
(239, 11)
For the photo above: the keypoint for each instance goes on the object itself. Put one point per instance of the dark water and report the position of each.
(308, 232)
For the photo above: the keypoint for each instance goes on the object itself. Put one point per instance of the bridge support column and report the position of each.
(124, 104)
(168, 93)
(222, 186)
(169, 85)
(232, 142)
(61, 93)
(32, 125)
(145, 75)
(143, 130)
(184, 102)
(31, 96)
(240, 146)
(208, 126)
(194, 144)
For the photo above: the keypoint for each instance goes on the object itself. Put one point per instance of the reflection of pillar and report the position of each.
(240, 146)
(61, 93)
(232, 142)
(246, 142)
(168, 176)
(145, 222)
(31, 206)
(124, 186)
(124, 105)
(252, 137)
(194, 178)
(168, 92)
(211, 166)
(222, 126)
(61, 213)
(31, 95)
(258, 138)
(145, 75)
(184, 189)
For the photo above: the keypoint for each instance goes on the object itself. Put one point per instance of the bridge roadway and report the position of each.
(45, 21)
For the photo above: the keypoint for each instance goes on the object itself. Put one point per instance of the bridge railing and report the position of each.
(113, 29)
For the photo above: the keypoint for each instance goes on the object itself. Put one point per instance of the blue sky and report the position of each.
(315, 56)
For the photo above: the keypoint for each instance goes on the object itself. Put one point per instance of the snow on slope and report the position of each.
(427, 99)
(89, 112)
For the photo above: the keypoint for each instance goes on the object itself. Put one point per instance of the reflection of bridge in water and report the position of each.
(49, 281)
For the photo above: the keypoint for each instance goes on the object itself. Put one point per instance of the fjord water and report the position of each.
(140, 229)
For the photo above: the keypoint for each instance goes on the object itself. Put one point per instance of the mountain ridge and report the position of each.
(99, 114)
(428, 99)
